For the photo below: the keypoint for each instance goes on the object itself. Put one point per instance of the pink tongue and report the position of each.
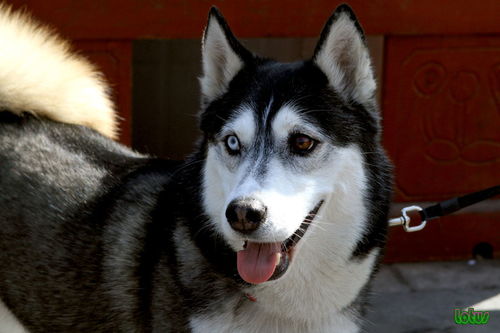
(257, 262)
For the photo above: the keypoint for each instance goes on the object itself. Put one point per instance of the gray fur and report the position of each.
(97, 238)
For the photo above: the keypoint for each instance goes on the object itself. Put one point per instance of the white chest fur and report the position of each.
(313, 305)
(257, 322)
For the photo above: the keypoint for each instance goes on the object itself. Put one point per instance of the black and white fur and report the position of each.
(97, 238)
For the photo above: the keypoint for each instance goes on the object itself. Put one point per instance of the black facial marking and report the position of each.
(261, 155)
(300, 84)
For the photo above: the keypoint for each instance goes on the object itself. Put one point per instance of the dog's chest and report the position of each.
(300, 310)
(255, 319)
(296, 303)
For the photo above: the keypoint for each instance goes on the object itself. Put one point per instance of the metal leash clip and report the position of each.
(404, 219)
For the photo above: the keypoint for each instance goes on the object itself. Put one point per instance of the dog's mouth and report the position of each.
(261, 262)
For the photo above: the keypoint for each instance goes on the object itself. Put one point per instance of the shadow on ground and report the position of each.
(421, 297)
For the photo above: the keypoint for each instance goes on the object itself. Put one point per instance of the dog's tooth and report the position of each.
(278, 258)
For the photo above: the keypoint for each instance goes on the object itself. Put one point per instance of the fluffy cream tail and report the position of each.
(40, 75)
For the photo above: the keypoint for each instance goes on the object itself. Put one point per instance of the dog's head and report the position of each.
(282, 139)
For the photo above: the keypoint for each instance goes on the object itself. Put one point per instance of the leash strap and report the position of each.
(450, 206)
(442, 208)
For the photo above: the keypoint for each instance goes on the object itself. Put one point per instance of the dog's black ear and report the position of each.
(222, 56)
(343, 56)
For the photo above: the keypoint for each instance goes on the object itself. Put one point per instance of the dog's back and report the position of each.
(67, 192)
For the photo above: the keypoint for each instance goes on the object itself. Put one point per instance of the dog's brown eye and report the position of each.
(301, 143)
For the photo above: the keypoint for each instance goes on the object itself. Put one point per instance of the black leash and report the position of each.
(442, 208)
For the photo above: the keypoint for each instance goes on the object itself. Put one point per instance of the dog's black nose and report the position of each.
(245, 215)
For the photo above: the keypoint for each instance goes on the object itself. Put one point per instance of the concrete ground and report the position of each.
(421, 297)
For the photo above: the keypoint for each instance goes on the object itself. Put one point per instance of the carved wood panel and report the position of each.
(441, 110)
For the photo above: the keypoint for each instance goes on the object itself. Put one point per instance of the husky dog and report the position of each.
(274, 224)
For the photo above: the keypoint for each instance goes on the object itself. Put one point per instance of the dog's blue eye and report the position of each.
(232, 144)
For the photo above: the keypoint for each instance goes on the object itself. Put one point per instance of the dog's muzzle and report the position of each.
(261, 262)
